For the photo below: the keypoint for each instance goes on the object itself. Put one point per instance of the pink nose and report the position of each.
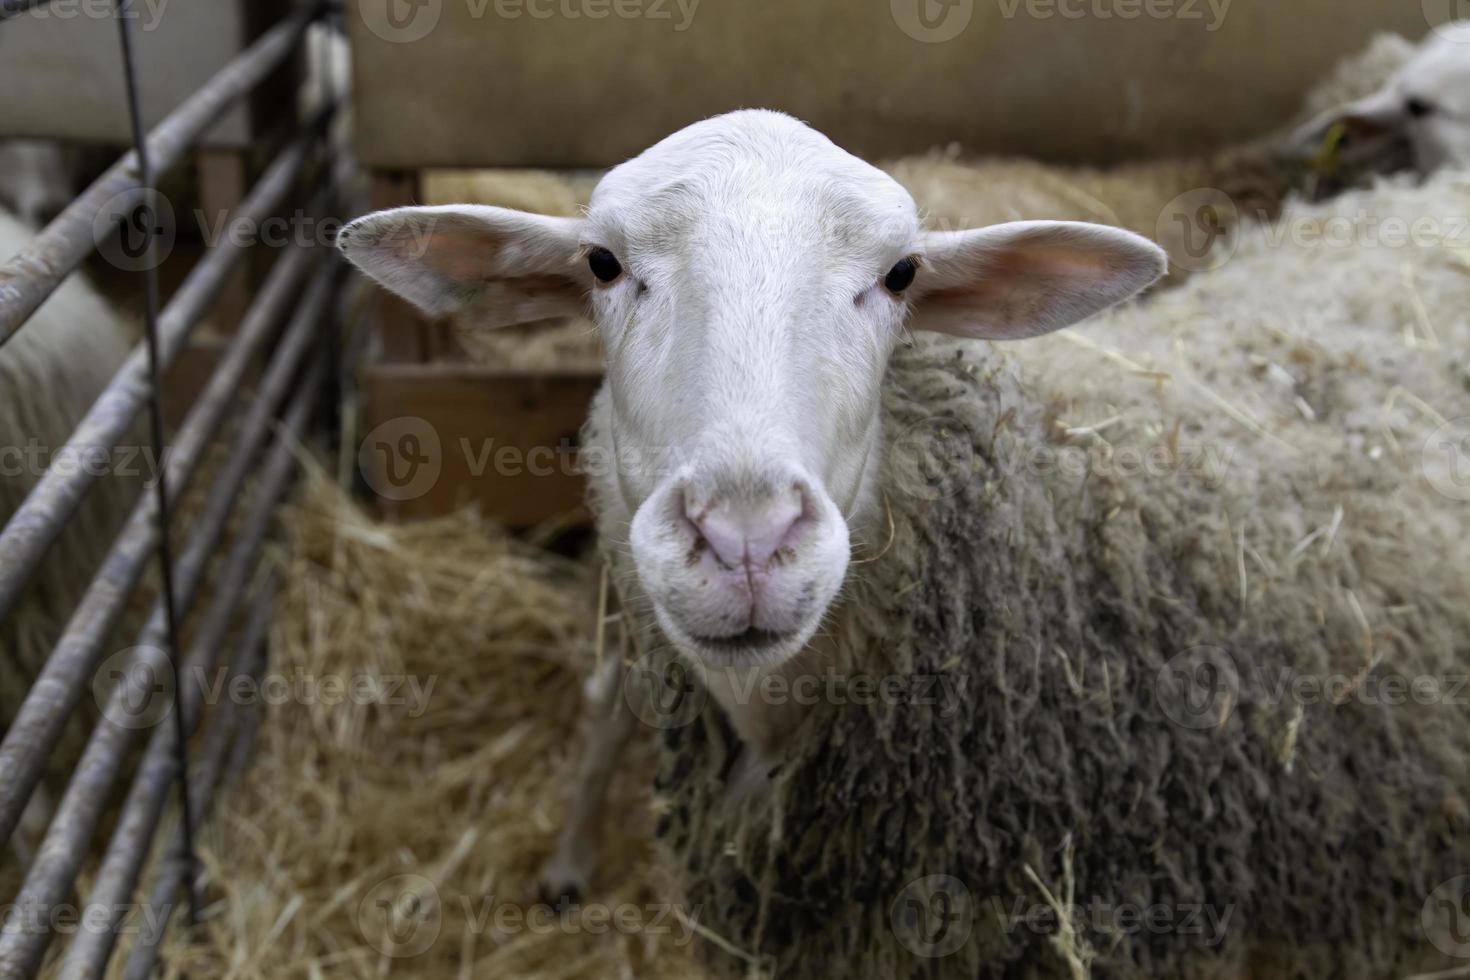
(749, 536)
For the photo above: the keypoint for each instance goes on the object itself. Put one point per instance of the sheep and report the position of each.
(1418, 118)
(50, 374)
(35, 179)
(1189, 204)
(1006, 643)
(1290, 520)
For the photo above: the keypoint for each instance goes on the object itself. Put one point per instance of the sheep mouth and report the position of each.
(752, 642)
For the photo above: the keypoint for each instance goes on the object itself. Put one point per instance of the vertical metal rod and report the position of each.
(52, 874)
(247, 663)
(37, 726)
(117, 877)
(155, 412)
(282, 462)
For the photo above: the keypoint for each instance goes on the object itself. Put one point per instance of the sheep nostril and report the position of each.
(749, 537)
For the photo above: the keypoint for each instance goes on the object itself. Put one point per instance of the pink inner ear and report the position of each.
(1023, 283)
(462, 256)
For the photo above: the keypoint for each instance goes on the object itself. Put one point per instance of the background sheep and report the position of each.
(50, 374)
(1252, 475)
(35, 179)
(1418, 117)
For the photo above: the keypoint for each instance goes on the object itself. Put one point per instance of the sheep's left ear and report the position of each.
(499, 267)
(1028, 278)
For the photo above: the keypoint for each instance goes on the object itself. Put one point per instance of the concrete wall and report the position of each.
(589, 82)
(62, 67)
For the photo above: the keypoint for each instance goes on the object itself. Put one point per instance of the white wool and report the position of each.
(1372, 285)
(50, 374)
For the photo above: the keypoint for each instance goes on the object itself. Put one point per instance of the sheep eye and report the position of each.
(901, 276)
(1418, 108)
(605, 266)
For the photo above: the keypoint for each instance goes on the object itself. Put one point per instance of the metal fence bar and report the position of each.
(54, 869)
(118, 875)
(157, 439)
(144, 954)
(33, 274)
(37, 523)
(42, 716)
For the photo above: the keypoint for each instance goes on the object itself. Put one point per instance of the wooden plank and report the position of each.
(440, 437)
(223, 183)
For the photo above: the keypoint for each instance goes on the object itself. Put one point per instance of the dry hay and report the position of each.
(345, 806)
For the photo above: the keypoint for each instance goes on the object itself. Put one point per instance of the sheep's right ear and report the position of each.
(497, 266)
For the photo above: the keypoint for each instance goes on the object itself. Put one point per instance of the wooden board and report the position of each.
(437, 437)
(587, 83)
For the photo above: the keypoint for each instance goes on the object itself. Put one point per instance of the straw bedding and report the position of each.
(457, 786)
(1237, 477)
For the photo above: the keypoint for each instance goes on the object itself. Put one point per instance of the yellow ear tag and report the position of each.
(1326, 163)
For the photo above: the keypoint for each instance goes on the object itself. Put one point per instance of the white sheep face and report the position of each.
(1425, 106)
(1433, 96)
(751, 280)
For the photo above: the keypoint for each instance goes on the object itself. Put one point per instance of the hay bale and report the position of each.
(452, 795)
(1256, 499)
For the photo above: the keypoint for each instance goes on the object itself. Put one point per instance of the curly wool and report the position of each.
(50, 374)
(1299, 805)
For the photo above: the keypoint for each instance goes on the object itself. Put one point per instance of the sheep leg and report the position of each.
(606, 727)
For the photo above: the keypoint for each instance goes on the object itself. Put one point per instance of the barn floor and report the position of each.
(402, 838)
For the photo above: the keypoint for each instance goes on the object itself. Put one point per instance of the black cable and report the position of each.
(155, 410)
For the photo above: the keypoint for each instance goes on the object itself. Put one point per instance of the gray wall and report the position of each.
(524, 82)
(62, 68)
